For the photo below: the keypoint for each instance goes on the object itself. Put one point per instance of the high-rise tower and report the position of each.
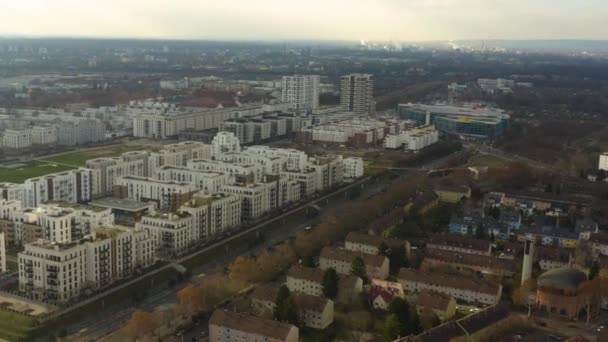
(526, 272)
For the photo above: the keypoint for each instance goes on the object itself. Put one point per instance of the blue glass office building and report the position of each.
(472, 121)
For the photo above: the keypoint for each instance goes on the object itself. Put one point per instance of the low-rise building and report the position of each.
(315, 311)
(475, 262)
(549, 236)
(441, 304)
(232, 327)
(463, 288)
(382, 293)
(462, 244)
(310, 281)
(552, 257)
(376, 266)
(370, 244)
(453, 194)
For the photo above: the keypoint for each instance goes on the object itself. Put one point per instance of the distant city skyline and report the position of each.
(397, 20)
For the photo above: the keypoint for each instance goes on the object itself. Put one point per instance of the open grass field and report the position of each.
(16, 327)
(488, 160)
(64, 162)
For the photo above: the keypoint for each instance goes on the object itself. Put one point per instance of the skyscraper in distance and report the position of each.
(301, 91)
(357, 93)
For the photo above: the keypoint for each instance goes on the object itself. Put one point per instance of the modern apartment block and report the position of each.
(330, 171)
(357, 94)
(249, 172)
(12, 191)
(212, 214)
(59, 272)
(172, 233)
(73, 186)
(168, 195)
(207, 181)
(353, 168)
(107, 170)
(296, 160)
(306, 179)
(271, 165)
(256, 198)
(301, 91)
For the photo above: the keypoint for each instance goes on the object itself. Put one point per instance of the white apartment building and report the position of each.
(306, 179)
(73, 186)
(603, 162)
(8, 208)
(164, 125)
(353, 168)
(413, 139)
(301, 91)
(107, 170)
(43, 135)
(212, 214)
(329, 169)
(255, 198)
(51, 271)
(12, 191)
(57, 224)
(87, 216)
(78, 131)
(2, 253)
(60, 271)
(296, 160)
(206, 181)
(225, 142)
(250, 172)
(144, 189)
(17, 138)
(171, 233)
(357, 94)
(289, 191)
(270, 165)
(178, 155)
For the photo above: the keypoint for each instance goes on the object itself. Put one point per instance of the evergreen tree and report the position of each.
(384, 250)
(401, 310)
(281, 302)
(330, 283)
(308, 261)
(391, 328)
(358, 269)
(594, 270)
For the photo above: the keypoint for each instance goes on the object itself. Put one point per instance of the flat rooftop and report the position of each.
(121, 204)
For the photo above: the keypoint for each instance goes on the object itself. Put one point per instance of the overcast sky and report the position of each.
(398, 20)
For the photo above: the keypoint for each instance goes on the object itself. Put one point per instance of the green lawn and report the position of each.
(488, 160)
(32, 169)
(63, 162)
(15, 327)
(79, 158)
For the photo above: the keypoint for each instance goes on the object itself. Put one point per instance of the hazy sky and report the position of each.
(399, 20)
